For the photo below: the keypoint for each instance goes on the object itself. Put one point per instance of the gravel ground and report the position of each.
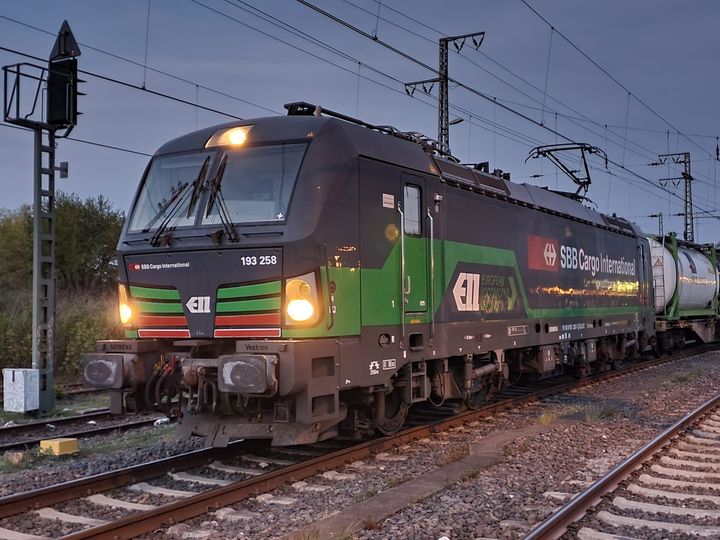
(606, 505)
(87, 509)
(139, 497)
(33, 524)
(98, 455)
(589, 431)
(618, 417)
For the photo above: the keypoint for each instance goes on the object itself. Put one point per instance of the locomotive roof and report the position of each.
(361, 141)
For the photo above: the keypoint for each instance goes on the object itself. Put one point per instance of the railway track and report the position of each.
(221, 477)
(90, 424)
(670, 488)
(71, 389)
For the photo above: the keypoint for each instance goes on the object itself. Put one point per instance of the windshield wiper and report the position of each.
(216, 197)
(176, 202)
(167, 204)
(197, 186)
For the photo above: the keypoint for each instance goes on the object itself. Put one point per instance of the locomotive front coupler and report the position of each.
(247, 374)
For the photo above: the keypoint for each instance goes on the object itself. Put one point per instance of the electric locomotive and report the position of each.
(291, 277)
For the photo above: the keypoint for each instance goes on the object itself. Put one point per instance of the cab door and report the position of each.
(414, 246)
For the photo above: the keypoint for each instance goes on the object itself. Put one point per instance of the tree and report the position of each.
(87, 233)
(15, 253)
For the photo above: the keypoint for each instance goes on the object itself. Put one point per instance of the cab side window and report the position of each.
(411, 206)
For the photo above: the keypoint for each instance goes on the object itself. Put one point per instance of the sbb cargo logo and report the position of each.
(542, 253)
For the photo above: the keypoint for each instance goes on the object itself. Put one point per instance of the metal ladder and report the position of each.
(44, 266)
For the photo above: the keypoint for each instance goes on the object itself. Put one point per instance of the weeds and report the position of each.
(599, 411)
(61, 392)
(369, 524)
(474, 472)
(547, 418)
(365, 494)
(29, 459)
(347, 533)
(133, 439)
(397, 480)
(686, 377)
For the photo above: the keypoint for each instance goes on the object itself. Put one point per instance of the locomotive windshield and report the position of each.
(255, 184)
(249, 185)
(170, 190)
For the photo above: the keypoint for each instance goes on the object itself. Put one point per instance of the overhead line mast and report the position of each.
(59, 79)
(478, 93)
(681, 158)
(443, 78)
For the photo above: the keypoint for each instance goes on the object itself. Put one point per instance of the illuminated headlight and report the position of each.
(300, 310)
(301, 299)
(235, 136)
(247, 374)
(124, 305)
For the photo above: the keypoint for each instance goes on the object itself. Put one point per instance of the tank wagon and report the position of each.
(290, 277)
(685, 279)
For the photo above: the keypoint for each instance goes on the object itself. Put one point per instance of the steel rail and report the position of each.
(83, 433)
(557, 524)
(82, 487)
(97, 414)
(213, 499)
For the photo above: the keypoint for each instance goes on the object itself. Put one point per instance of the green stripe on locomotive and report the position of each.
(380, 290)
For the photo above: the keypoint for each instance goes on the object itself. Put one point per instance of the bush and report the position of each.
(86, 310)
(16, 332)
(81, 321)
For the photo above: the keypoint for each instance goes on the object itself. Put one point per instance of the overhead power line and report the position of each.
(616, 81)
(621, 140)
(128, 85)
(85, 141)
(409, 57)
(147, 67)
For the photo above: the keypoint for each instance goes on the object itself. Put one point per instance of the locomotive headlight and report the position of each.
(300, 310)
(301, 299)
(124, 305)
(235, 136)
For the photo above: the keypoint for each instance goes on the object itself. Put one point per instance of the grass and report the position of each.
(686, 376)
(70, 405)
(89, 447)
(128, 439)
(397, 480)
(474, 472)
(370, 524)
(547, 418)
(31, 458)
(599, 411)
(365, 494)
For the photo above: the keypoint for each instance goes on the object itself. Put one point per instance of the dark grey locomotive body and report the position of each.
(322, 275)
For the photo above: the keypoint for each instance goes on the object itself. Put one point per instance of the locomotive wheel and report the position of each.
(394, 414)
(167, 389)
